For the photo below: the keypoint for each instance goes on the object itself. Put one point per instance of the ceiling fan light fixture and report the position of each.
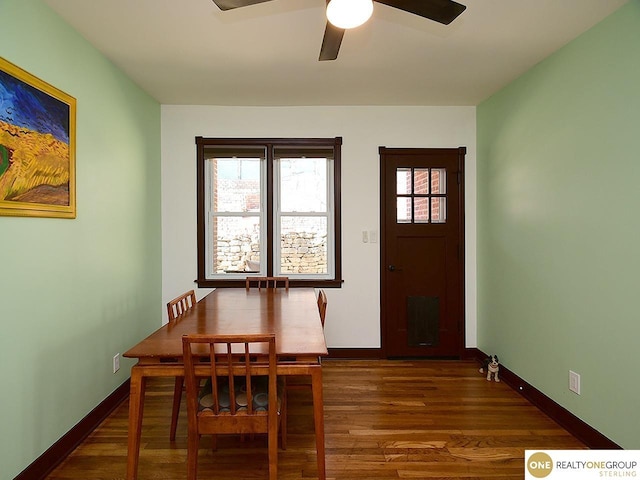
(349, 13)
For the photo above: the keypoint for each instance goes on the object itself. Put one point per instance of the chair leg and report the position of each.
(273, 453)
(193, 442)
(283, 421)
(177, 397)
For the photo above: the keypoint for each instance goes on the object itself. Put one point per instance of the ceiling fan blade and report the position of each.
(441, 11)
(331, 42)
(230, 4)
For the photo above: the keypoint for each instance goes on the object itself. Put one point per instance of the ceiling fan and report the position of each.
(442, 11)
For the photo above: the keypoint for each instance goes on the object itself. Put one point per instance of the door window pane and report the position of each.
(403, 181)
(421, 181)
(403, 210)
(438, 181)
(438, 210)
(421, 210)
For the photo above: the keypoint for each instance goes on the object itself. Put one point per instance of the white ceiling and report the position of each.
(190, 52)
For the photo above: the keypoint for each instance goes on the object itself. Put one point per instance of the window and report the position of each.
(269, 207)
(421, 195)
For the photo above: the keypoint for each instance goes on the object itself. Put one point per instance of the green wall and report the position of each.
(75, 292)
(558, 226)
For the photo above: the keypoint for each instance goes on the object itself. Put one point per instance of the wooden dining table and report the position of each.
(291, 314)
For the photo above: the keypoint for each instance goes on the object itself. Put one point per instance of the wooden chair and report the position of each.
(267, 282)
(179, 305)
(176, 308)
(322, 305)
(243, 396)
(299, 381)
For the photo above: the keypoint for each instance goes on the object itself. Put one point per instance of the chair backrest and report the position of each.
(322, 305)
(241, 371)
(179, 305)
(267, 282)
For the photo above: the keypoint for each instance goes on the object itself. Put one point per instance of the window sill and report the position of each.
(292, 283)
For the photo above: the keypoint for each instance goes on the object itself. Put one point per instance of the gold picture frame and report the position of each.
(37, 146)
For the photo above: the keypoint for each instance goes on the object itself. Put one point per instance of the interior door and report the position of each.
(422, 251)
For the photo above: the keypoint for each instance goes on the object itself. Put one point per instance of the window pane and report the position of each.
(438, 210)
(438, 181)
(236, 244)
(235, 185)
(421, 181)
(421, 210)
(303, 245)
(403, 181)
(303, 184)
(403, 210)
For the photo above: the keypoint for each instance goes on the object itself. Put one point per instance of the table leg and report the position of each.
(136, 405)
(318, 418)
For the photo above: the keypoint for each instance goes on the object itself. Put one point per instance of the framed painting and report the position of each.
(37, 146)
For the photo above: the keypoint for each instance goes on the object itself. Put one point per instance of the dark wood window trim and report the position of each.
(270, 144)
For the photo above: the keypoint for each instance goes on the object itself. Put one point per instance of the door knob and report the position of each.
(392, 268)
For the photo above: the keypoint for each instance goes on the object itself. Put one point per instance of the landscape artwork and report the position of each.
(37, 146)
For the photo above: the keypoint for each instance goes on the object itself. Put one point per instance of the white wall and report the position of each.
(353, 315)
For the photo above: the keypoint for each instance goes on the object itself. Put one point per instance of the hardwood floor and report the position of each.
(383, 420)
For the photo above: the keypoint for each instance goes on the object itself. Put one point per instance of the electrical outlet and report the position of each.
(574, 382)
(116, 362)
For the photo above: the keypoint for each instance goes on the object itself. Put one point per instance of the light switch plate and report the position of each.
(574, 382)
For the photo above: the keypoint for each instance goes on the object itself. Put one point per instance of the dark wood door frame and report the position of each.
(461, 152)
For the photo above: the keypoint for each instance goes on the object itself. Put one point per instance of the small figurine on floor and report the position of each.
(492, 365)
